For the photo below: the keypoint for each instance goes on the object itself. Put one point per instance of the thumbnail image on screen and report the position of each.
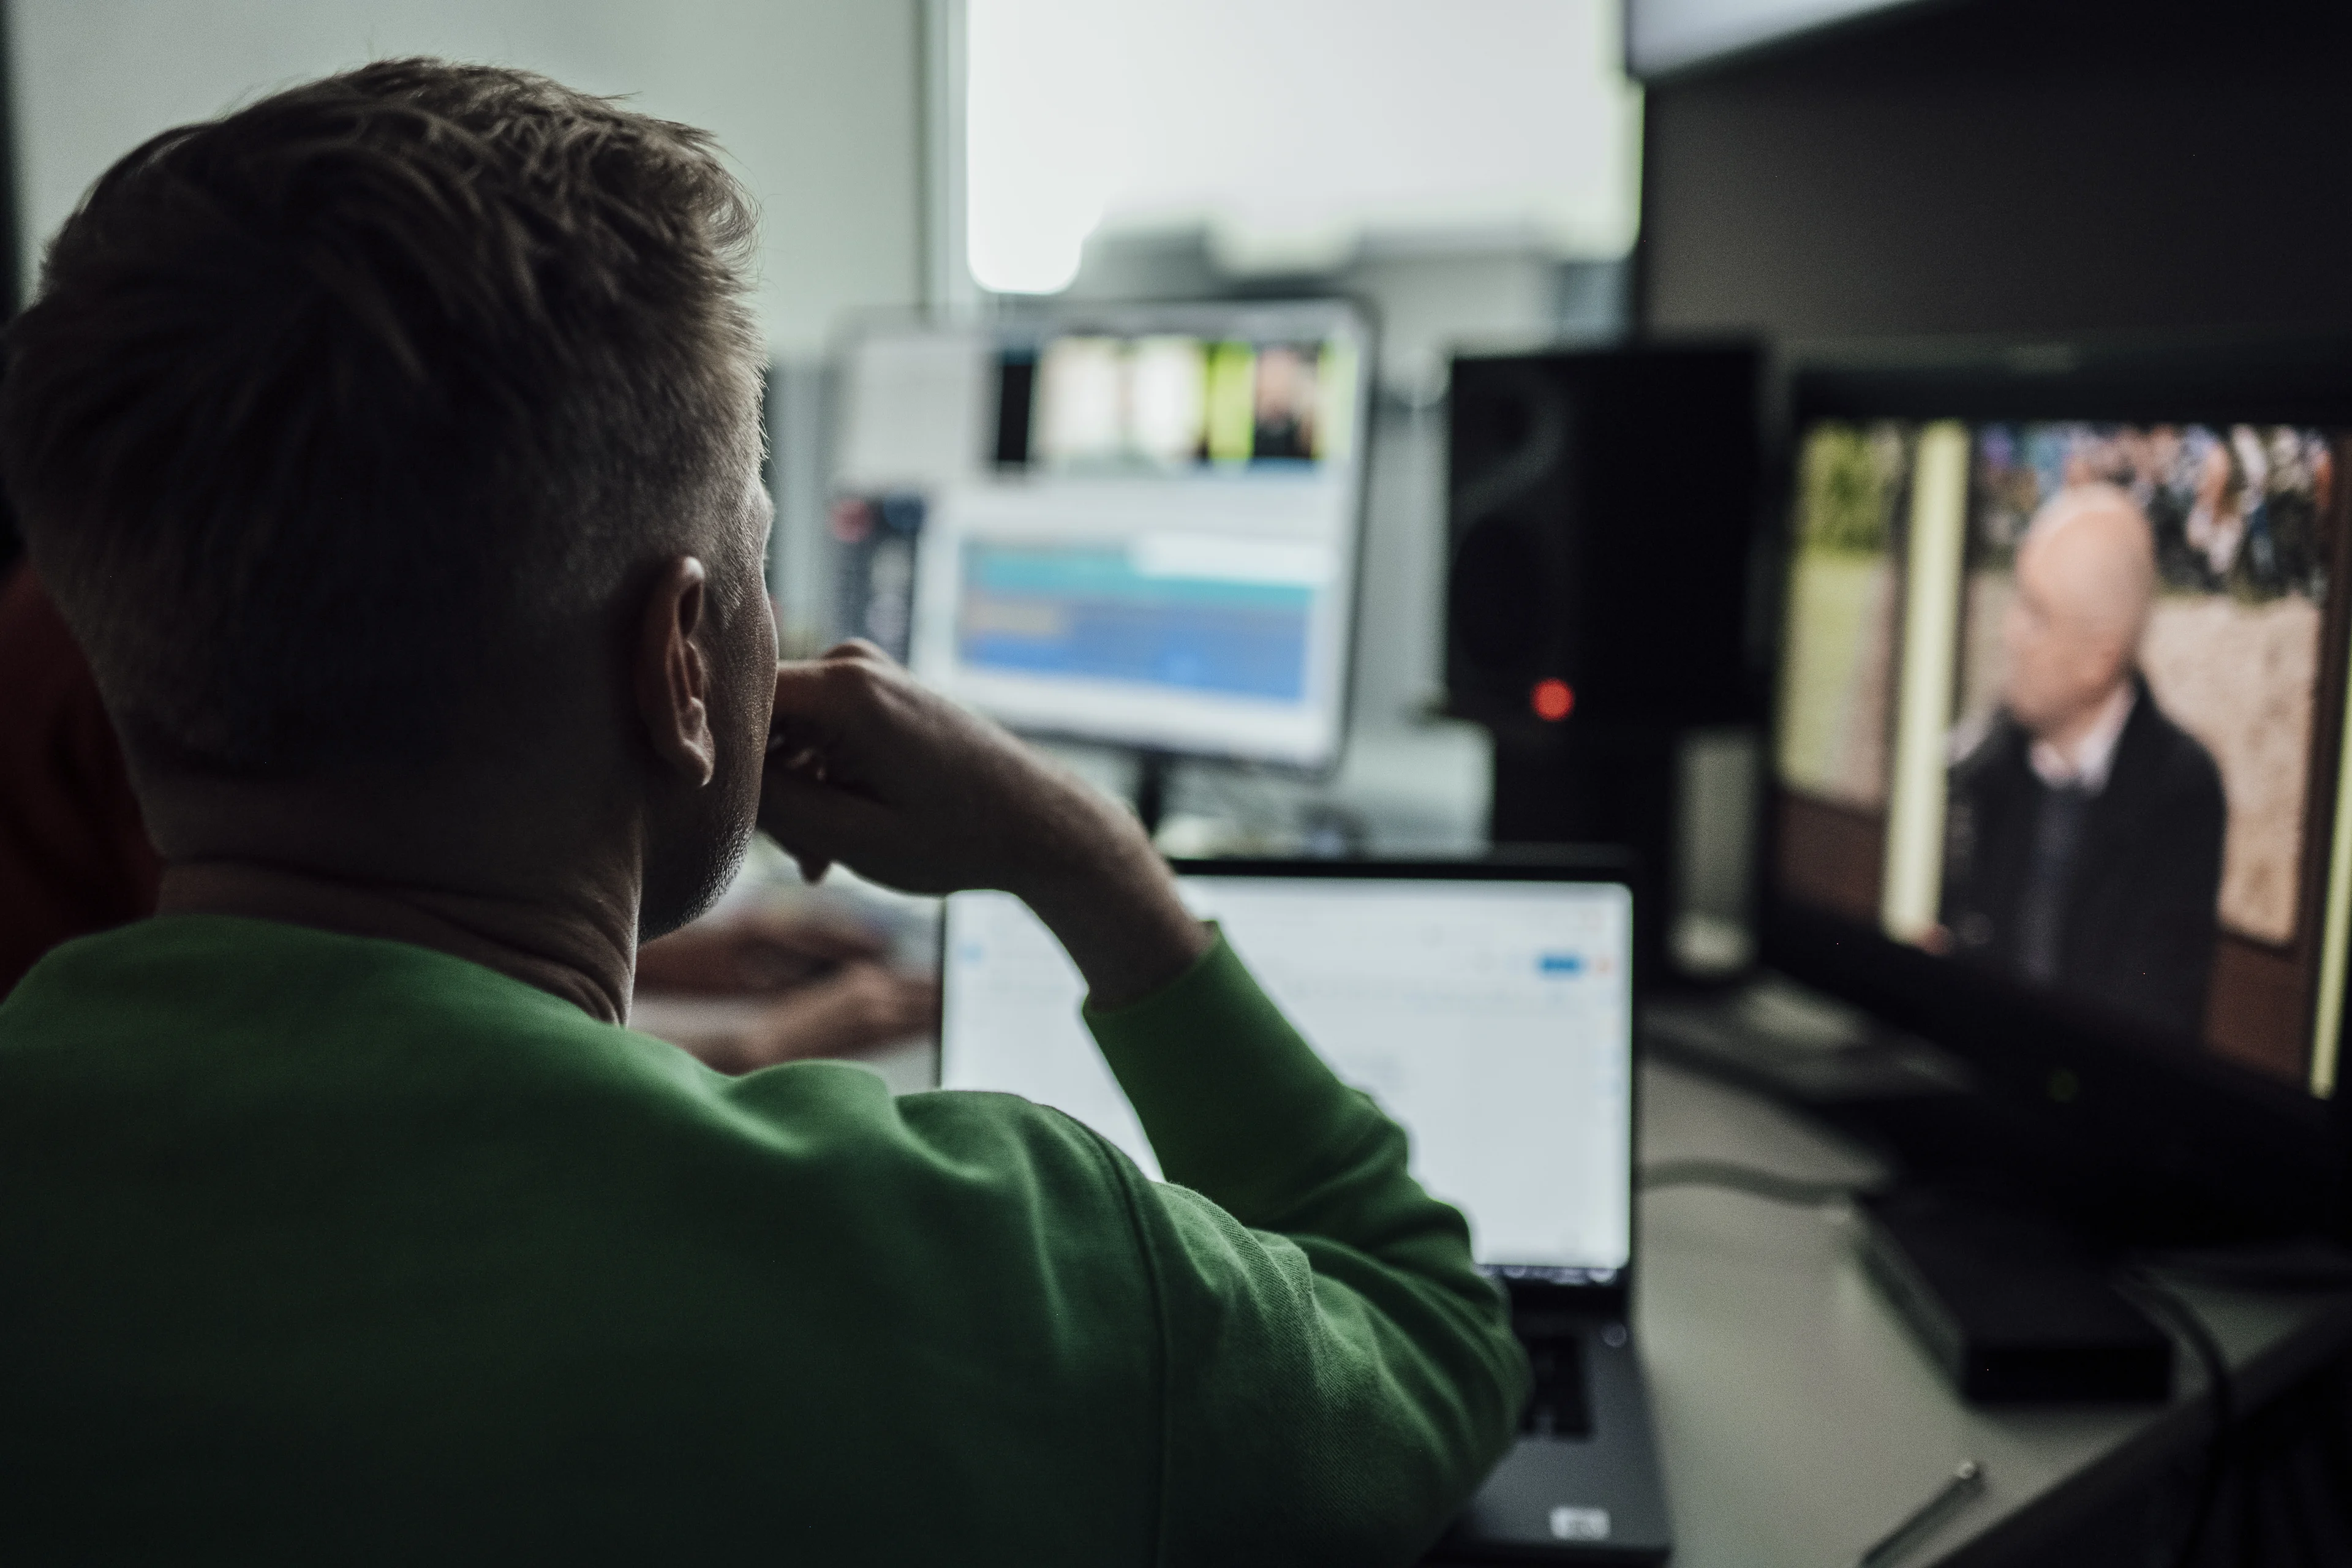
(2058, 698)
(1094, 402)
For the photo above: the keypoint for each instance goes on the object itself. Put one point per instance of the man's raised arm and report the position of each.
(1336, 1376)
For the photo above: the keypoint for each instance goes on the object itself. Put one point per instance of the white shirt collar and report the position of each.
(2094, 753)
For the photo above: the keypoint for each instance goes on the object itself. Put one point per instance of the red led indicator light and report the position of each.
(1552, 700)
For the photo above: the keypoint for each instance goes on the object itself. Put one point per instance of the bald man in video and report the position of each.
(2083, 842)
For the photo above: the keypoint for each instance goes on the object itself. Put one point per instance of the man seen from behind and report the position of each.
(391, 445)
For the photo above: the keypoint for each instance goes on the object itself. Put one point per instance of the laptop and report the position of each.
(1489, 1008)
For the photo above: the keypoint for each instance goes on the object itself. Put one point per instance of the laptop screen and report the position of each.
(1492, 1019)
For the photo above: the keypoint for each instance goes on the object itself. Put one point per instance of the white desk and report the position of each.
(1799, 1422)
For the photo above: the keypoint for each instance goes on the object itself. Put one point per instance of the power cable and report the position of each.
(2219, 1388)
(1770, 1185)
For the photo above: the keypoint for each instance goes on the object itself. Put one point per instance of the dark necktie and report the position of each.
(2041, 912)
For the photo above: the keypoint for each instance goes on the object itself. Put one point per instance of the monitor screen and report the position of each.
(1138, 526)
(1493, 1019)
(2063, 703)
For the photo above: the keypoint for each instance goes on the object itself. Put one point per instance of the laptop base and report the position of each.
(1595, 1498)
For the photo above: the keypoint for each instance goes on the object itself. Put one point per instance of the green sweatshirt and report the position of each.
(319, 1249)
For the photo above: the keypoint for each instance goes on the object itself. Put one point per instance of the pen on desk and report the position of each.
(1967, 1482)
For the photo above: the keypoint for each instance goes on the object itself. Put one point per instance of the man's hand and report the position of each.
(749, 954)
(870, 769)
(856, 1009)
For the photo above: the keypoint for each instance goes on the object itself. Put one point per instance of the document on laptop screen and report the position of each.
(1493, 1019)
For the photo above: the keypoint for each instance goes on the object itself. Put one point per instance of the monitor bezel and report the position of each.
(1032, 323)
(2162, 1118)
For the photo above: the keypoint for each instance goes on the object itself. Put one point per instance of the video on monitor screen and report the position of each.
(2065, 700)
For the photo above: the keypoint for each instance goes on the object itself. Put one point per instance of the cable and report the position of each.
(2298, 1263)
(1774, 1187)
(2218, 1387)
(1770, 1185)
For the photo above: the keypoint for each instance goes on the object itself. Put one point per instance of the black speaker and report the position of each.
(1602, 514)
(1601, 522)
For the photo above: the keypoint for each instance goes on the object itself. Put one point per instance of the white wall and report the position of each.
(1295, 134)
(817, 100)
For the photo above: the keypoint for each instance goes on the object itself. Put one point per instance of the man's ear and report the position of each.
(673, 676)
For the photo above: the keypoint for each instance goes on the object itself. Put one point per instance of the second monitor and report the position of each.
(1137, 526)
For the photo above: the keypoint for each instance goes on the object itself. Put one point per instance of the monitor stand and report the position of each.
(1153, 771)
(2012, 1307)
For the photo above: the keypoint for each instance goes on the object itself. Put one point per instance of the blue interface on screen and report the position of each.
(1095, 613)
(1139, 528)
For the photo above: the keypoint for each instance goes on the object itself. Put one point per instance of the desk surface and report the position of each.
(1799, 1423)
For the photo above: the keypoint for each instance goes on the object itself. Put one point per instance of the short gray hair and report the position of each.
(323, 401)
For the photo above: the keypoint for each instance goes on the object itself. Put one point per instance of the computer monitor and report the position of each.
(1135, 525)
(2058, 769)
(1487, 1008)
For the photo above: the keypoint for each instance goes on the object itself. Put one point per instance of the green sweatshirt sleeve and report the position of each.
(1338, 1376)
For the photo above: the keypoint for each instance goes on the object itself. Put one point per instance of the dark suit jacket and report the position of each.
(2138, 915)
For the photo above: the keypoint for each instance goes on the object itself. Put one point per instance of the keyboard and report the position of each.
(1558, 1408)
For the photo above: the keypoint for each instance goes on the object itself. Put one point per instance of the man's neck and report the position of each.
(585, 952)
(2081, 748)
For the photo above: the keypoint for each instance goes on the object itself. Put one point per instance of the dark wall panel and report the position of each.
(1994, 167)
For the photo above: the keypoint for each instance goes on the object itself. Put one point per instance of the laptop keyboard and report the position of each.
(1559, 1408)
